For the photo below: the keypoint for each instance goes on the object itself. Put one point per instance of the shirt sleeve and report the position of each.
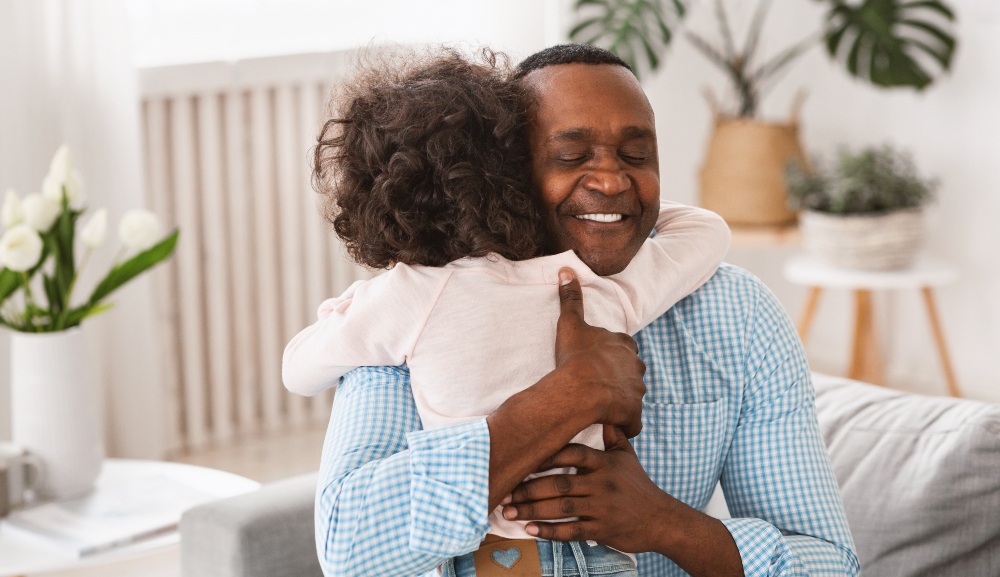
(374, 323)
(687, 249)
(393, 499)
(788, 518)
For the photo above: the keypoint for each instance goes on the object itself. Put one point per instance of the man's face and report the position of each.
(594, 161)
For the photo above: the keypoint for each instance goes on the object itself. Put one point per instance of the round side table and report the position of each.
(20, 556)
(866, 362)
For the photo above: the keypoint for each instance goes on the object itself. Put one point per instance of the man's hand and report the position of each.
(597, 379)
(600, 364)
(618, 505)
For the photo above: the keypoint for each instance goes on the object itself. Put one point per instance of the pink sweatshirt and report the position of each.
(479, 330)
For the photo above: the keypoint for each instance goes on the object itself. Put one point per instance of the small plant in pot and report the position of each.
(864, 212)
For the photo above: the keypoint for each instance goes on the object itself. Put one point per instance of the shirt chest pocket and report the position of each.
(681, 447)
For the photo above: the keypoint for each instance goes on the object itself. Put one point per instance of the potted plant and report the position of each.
(866, 212)
(54, 403)
(889, 43)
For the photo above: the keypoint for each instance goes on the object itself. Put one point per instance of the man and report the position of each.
(726, 395)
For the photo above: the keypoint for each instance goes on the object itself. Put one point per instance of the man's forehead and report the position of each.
(571, 97)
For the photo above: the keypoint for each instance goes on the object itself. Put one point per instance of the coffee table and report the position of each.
(21, 557)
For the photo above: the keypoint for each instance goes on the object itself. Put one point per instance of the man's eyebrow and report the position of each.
(578, 134)
(571, 135)
(635, 132)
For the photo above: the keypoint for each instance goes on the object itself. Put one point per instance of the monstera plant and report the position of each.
(889, 43)
(886, 42)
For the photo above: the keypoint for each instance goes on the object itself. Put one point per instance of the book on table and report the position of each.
(113, 516)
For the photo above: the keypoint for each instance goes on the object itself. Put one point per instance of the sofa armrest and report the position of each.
(267, 533)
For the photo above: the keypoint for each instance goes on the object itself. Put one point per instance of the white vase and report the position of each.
(55, 411)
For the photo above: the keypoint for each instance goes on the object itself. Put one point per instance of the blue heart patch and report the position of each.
(506, 559)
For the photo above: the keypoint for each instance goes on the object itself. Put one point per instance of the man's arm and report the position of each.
(788, 518)
(387, 490)
(396, 500)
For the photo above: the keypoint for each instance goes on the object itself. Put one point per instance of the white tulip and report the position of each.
(11, 214)
(62, 164)
(20, 248)
(40, 212)
(92, 234)
(139, 229)
(52, 188)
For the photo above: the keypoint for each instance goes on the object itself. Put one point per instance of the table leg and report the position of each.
(949, 374)
(866, 362)
(805, 321)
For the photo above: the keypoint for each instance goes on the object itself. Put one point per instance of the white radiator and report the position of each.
(227, 152)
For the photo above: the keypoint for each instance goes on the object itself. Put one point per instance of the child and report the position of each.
(432, 179)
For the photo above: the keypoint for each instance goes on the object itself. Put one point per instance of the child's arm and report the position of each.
(689, 245)
(374, 323)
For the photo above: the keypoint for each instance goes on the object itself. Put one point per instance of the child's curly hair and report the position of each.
(426, 161)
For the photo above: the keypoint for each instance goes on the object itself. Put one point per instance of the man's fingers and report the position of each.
(548, 487)
(548, 510)
(585, 530)
(570, 293)
(576, 455)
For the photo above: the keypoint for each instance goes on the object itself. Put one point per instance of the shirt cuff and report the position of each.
(449, 488)
(763, 550)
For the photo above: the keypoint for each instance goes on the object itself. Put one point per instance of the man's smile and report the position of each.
(600, 217)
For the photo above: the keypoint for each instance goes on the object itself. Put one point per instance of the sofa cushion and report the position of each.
(920, 478)
(267, 533)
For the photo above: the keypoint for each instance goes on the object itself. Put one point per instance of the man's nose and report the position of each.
(609, 179)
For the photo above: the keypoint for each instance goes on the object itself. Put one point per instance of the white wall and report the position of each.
(953, 130)
(231, 29)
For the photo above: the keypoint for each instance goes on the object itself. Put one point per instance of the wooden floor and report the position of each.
(266, 458)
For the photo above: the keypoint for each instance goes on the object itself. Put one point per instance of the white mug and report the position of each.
(20, 473)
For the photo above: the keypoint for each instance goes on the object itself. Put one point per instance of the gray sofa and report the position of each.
(920, 478)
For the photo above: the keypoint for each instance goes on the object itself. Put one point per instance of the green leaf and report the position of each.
(629, 28)
(885, 28)
(133, 267)
(77, 315)
(583, 25)
(61, 244)
(52, 294)
(10, 281)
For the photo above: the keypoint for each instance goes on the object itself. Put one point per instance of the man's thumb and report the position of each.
(570, 293)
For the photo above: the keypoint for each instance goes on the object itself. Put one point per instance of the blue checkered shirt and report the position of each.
(729, 399)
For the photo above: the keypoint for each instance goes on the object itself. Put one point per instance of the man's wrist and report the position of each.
(530, 426)
(698, 543)
(588, 404)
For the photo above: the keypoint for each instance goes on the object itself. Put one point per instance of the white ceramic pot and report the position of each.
(55, 410)
(884, 241)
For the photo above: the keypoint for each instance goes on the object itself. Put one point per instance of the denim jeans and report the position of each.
(572, 559)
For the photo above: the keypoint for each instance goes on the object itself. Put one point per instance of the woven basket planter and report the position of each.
(743, 178)
(884, 241)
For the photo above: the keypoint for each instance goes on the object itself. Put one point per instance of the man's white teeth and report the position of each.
(600, 217)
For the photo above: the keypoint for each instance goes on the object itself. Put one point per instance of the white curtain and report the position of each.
(66, 75)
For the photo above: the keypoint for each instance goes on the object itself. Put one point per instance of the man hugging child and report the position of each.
(425, 172)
